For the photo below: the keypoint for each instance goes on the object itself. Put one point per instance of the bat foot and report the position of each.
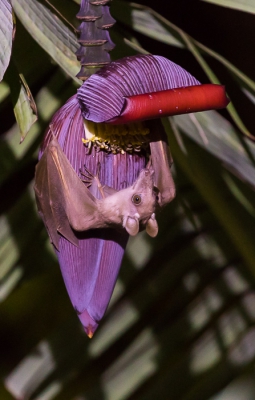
(88, 176)
(149, 163)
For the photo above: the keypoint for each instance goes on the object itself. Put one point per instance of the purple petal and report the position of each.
(102, 96)
(106, 21)
(90, 272)
(89, 12)
(91, 269)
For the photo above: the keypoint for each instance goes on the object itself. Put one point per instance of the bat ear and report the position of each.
(152, 226)
(131, 225)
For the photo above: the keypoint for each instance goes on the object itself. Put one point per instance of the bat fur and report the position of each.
(66, 204)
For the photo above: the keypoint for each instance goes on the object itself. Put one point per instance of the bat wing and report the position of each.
(63, 201)
(43, 200)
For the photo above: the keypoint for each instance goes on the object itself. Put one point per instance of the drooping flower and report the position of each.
(131, 89)
(91, 269)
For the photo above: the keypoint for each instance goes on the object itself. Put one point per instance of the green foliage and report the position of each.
(244, 5)
(181, 321)
(5, 35)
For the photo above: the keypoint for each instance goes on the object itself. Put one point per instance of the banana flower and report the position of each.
(102, 125)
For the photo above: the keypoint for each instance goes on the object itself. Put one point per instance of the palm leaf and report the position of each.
(51, 34)
(247, 5)
(5, 35)
(176, 36)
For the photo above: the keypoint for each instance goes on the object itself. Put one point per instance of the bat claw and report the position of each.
(98, 169)
(87, 175)
(89, 178)
(87, 172)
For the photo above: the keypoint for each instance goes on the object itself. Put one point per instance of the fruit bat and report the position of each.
(67, 205)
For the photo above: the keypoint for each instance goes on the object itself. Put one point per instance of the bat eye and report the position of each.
(136, 199)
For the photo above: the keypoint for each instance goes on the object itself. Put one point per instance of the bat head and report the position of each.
(132, 206)
(141, 200)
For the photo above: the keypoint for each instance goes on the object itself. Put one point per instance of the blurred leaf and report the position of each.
(4, 92)
(173, 32)
(125, 46)
(51, 34)
(48, 100)
(135, 46)
(5, 35)
(130, 14)
(249, 95)
(234, 218)
(25, 110)
(143, 21)
(218, 137)
(213, 78)
(248, 82)
(23, 236)
(241, 5)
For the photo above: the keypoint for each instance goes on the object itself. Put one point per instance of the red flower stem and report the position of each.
(164, 103)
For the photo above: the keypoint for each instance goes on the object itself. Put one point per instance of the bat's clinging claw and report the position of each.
(87, 175)
(92, 181)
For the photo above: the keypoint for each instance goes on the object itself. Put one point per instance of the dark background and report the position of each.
(229, 32)
(225, 30)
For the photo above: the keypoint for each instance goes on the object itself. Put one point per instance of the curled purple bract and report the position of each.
(102, 96)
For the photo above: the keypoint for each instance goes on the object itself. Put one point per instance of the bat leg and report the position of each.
(149, 163)
(161, 162)
(50, 195)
